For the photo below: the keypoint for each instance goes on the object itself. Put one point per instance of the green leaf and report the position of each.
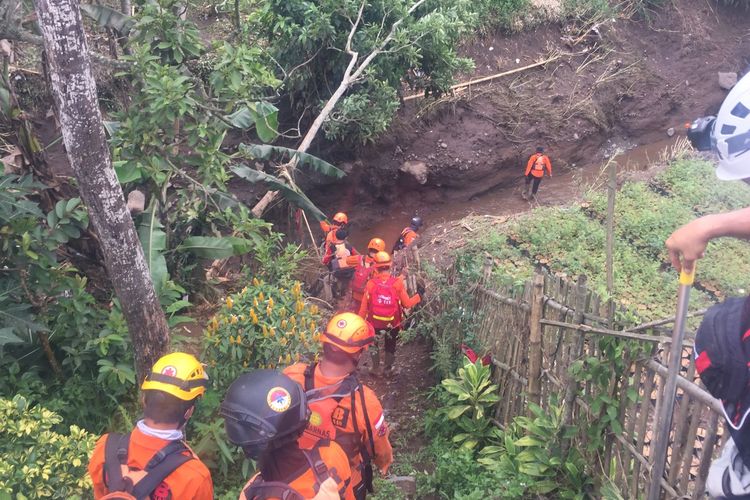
(265, 152)
(457, 411)
(529, 441)
(211, 247)
(263, 115)
(266, 121)
(111, 127)
(293, 196)
(127, 172)
(8, 337)
(109, 17)
(154, 243)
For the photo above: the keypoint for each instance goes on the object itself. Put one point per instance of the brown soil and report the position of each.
(627, 89)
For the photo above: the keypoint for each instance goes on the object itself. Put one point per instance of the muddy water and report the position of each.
(566, 185)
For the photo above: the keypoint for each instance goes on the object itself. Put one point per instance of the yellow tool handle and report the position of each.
(687, 278)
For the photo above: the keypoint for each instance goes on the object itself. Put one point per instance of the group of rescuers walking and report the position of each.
(315, 430)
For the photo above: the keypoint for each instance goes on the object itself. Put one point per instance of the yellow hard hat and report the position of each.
(178, 374)
(348, 332)
(376, 244)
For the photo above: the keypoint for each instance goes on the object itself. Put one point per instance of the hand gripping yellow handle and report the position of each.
(687, 278)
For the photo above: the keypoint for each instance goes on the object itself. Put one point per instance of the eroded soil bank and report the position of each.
(623, 88)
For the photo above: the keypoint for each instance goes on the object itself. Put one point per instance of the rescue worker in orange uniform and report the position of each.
(153, 461)
(363, 269)
(340, 221)
(337, 252)
(409, 235)
(382, 305)
(535, 167)
(343, 409)
(265, 412)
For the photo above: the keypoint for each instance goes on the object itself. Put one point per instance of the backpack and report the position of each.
(362, 275)
(325, 401)
(258, 489)
(722, 353)
(129, 484)
(385, 308)
(539, 163)
(401, 242)
(341, 250)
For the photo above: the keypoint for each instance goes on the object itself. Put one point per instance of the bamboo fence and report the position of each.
(536, 332)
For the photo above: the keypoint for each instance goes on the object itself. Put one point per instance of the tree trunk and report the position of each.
(74, 91)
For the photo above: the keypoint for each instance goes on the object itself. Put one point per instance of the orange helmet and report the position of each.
(341, 218)
(376, 244)
(349, 332)
(382, 259)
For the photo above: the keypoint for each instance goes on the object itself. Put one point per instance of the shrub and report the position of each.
(263, 326)
(37, 461)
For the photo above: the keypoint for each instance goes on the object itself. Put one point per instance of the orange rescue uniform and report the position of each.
(403, 296)
(305, 483)
(408, 235)
(342, 423)
(190, 481)
(536, 165)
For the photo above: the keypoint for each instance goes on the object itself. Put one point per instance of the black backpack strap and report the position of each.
(115, 455)
(310, 377)
(317, 466)
(162, 464)
(261, 490)
(367, 419)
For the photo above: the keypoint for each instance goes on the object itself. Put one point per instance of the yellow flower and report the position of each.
(268, 311)
(314, 309)
(270, 302)
(242, 317)
(265, 330)
(244, 364)
(282, 312)
(297, 357)
(283, 324)
(283, 341)
(233, 319)
(288, 358)
(293, 320)
(261, 297)
(272, 332)
(254, 317)
(256, 282)
(244, 291)
(231, 339)
(230, 302)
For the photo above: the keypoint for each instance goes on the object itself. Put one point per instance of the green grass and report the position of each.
(570, 241)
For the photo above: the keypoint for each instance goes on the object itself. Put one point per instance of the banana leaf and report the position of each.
(215, 247)
(108, 17)
(293, 196)
(265, 152)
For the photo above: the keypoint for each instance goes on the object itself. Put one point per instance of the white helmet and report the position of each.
(730, 136)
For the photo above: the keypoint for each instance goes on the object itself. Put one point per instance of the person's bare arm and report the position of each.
(688, 243)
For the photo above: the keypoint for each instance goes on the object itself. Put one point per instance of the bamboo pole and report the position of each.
(535, 339)
(492, 77)
(664, 416)
(611, 193)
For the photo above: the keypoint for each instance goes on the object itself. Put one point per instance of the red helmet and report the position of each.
(349, 332)
(341, 218)
(376, 244)
(382, 259)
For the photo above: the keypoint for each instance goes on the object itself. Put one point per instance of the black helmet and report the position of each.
(263, 406)
(416, 222)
